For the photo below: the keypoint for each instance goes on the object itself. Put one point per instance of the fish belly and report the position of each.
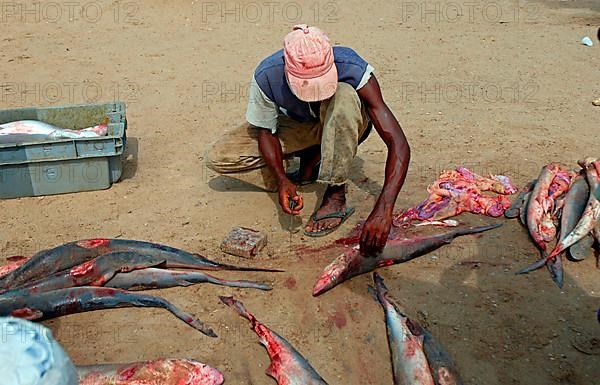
(408, 357)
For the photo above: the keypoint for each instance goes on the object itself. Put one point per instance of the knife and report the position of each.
(292, 205)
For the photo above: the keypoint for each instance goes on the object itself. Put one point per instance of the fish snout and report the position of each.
(345, 266)
(323, 284)
(331, 277)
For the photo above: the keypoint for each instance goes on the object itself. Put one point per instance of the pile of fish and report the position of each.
(417, 358)
(24, 131)
(155, 372)
(562, 205)
(458, 191)
(95, 274)
(401, 246)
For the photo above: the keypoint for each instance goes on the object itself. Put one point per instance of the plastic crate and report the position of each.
(65, 165)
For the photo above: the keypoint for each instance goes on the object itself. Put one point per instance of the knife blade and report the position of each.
(292, 205)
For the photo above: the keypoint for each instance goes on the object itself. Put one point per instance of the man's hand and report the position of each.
(270, 148)
(375, 232)
(287, 191)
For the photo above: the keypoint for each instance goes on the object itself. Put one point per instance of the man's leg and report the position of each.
(309, 165)
(236, 153)
(344, 121)
(310, 160)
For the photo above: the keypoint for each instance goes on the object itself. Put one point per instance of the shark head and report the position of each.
(337, 271)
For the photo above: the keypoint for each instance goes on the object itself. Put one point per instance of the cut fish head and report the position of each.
(336, 272)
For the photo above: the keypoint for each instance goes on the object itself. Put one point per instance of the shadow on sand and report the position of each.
(130, 158)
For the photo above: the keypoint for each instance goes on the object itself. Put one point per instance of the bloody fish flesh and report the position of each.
(288, 366)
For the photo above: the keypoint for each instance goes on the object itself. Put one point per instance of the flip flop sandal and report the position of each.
(343, 215)
(295, 176)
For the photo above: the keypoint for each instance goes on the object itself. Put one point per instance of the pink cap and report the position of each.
(309, 66)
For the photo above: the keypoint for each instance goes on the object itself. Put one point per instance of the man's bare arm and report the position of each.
(271, 151)
(377, 227)
(270, 148)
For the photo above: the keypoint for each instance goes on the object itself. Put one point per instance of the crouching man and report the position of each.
(317, 102)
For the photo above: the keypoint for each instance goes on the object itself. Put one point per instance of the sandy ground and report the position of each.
(501, 87)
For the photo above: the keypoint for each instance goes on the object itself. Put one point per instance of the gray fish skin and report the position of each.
(442, 366)
(518, 205)
(82, 299)
(406, 343)
(92, 273)
(352, 263)
(523, 211)
(71, 254)
(288, 366)
(575, 202)
(152, 278)
(515, 208)
(47, 262)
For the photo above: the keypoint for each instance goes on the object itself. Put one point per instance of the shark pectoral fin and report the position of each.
(155, 262)
(148, 261)
(143, 264)
(27, 313)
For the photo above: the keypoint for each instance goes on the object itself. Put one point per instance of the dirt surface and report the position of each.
(498, 92)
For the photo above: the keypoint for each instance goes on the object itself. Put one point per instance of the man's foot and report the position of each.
(334, 201)
(309, 166)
